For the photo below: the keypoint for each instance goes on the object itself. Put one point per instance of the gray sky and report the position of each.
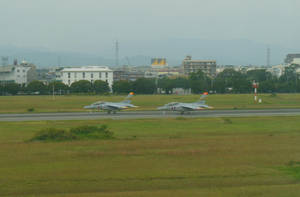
(90, 25)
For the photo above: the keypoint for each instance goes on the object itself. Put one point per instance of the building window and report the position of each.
(23, 71)
(69, 82)
(83, 75)
(69, 75)
(75, 74)
(99, 74)
(106, 75)
(18, 70)
(92, 76)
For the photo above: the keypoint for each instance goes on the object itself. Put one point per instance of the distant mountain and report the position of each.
(232, 52)
(226, 52)
(47, 58)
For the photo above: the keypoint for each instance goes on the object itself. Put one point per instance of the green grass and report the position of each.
(29, 104)
(155, 157)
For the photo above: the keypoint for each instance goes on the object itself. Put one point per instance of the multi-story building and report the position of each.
(290, 57)
(21, 74)
(206, 66)
(157, 63)
(127, 75)
(89, 73)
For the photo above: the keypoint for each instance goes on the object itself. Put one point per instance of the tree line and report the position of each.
(228, 81)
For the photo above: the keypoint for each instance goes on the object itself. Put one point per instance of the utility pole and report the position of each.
(53, 94)
(255, 86)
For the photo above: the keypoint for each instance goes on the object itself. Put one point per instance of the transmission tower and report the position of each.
(117, 53)
(268, 56)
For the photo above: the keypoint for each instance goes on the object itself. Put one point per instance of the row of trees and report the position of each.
(231, 81)
(140, 86)
(38, 87)
(228, 81)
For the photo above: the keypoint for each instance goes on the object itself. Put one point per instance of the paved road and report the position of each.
(146, 114)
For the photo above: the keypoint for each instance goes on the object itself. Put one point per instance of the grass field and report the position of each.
(21, 104)
(156, 157)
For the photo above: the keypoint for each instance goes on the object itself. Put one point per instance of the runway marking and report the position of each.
(146, 114)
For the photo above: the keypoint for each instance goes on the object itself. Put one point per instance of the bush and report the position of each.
(92, 132)
(53, 134)
(227, 121)
(77, 133)
(30, 109)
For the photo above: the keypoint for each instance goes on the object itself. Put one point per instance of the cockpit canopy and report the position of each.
(98, 103)
(171, 104)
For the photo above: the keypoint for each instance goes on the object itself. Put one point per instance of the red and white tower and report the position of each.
(255, 86)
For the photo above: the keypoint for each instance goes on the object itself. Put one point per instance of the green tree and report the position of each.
(199, 82)
(101, 87)
(144, 86)
(9, 88)
(259, 75)
(58, 87)
(12, 88)
(82, 86)
(231, 79)
(122, 87)
(166, 84)
(36, 86)
(181, 82)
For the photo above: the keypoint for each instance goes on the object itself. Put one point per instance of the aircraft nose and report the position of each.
(87, 107)
(160, 108)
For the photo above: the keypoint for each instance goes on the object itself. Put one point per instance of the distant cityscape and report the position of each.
(25, 72)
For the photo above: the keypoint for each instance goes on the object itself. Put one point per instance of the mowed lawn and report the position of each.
(155, 157)
(23, 104)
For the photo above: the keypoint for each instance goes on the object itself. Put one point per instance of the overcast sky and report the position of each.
(88, 25)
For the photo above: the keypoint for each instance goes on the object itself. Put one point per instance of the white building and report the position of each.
(296, 61)
(21, 74)
(277, 70)
(89, 73)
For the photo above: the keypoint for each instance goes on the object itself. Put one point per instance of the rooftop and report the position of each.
(199, 60)
(87, 69)
(6, 69)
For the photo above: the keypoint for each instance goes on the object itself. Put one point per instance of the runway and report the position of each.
(146, 114)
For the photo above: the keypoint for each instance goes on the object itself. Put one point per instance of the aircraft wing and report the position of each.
(115, 106)
(190, 107)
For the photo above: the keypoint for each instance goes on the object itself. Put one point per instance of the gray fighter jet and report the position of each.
(186, 107)
(112, 107)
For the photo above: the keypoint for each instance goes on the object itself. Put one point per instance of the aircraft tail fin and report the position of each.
(202, 97)
(201, 102)
(126, 100)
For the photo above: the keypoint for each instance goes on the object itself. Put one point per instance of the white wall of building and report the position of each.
(296, 61)
(89, 73)
(16, 73)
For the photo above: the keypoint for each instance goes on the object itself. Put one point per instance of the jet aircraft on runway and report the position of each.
(186, 107)
(112, 106)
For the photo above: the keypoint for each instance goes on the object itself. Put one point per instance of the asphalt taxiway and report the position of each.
(147, 114)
